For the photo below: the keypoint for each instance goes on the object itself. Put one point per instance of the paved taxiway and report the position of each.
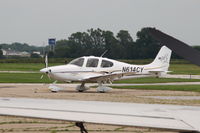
(174, 97)
(73, 85)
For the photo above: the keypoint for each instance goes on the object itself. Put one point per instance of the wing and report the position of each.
(104, 76)
(182, 118)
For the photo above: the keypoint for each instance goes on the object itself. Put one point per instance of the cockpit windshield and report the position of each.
(77, 62)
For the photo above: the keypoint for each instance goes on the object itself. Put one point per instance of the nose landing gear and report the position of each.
(54, 88)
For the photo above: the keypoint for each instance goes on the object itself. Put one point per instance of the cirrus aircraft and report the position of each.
(103, 70)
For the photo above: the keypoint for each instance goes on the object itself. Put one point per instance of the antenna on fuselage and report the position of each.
(104, 53)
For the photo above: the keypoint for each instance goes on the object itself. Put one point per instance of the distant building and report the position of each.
(15, 53)
(4, 52)
(36, 52)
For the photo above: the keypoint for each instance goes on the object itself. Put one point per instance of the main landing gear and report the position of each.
(81, 126)
(82, 87)
(101, 88)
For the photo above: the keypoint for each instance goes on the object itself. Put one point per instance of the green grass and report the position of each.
(23, 78)
(23, 66)
(195, 88)
(155, 80)
(184, 69)
(35, 78)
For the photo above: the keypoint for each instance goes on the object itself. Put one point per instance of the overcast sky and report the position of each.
(34, 21)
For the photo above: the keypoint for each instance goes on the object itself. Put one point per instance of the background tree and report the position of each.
(1, 53)
(127, 44)
(62, 49)
(97, 41)
(145, 45)
(111, 45)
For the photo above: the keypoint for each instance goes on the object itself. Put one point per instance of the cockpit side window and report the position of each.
(77, 62)
(106, 63)
(92, 62)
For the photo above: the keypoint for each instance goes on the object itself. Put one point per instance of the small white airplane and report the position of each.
(103, 70)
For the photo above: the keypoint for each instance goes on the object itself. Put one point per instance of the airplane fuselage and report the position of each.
(73, 72)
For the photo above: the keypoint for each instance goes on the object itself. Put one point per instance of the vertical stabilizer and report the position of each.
(162, 60)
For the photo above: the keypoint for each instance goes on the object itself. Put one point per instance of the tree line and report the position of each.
(96, 42)
(122, 46)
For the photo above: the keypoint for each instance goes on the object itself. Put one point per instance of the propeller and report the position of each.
(46, 67)
(46, 61)
(42, 76)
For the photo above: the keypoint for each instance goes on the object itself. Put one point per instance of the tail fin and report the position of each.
(162, 60)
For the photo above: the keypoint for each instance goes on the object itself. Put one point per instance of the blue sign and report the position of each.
(52, 41)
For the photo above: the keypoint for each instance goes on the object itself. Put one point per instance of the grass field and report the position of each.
(23, 78)
(175, 68)
(23, 66)
(195, 88)
(184, 69)
(35, 78)
(156, 80)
